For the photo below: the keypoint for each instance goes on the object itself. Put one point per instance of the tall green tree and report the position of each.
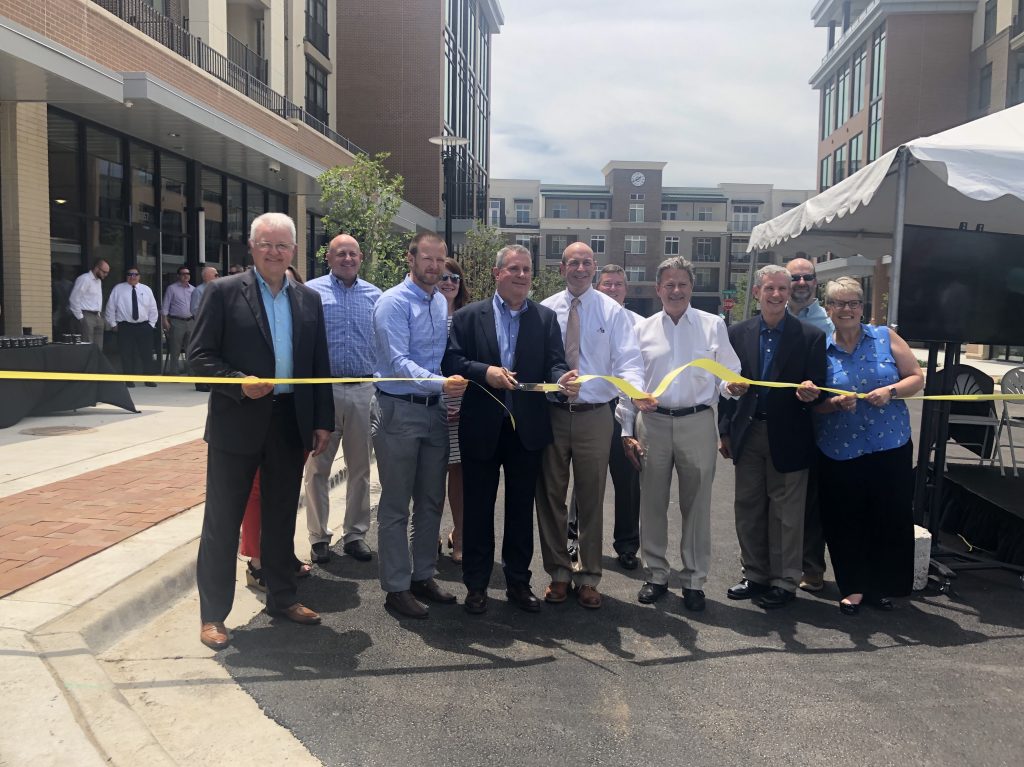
(477, 260)
(362, 199)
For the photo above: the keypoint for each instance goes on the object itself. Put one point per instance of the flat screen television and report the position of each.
(962, 285)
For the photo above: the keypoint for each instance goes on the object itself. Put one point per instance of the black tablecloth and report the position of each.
(19, 399)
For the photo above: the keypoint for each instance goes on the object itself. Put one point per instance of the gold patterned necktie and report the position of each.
(572, 336)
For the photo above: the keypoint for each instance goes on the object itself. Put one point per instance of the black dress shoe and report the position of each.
(130, 384)
(151, 384)
(430, 591)
(879, 603)
(358, 549)
(320, 553)
(693, 600)
(476, 603)
(651, 592)
(775, 597)
(746, 589)
(848, 608)
(628, 561)
(403, 603)
(523, 597)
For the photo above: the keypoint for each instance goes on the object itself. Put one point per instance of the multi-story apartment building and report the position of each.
(416, 70)
(151, 132)
(634, 220)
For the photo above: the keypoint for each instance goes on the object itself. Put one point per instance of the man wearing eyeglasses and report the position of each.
(258, 324)
(86, 302)
(177, 318)
(348, 303)
(803, 304)
(132, 313)
(768, 434)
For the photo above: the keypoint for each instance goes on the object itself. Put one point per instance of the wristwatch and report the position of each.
(892, 393)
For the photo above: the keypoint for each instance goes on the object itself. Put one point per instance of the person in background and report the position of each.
(86, 302)
(209, 274)
(133, 314)
(453, 287)
(177, 318)
(866, 455)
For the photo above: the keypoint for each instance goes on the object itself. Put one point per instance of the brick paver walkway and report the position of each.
(46, 529)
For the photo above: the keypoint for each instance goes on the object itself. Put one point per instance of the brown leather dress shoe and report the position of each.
(403, 603)
(556, 592)
(588, 597)
(430, 590)
(214, 635)
(297, 613)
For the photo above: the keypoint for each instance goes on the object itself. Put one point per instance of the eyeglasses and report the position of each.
(803, 278)
(280, 247)
(133, 274)
(453, 277)
(855, 304)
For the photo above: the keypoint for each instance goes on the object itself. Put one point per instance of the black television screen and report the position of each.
(962, 285)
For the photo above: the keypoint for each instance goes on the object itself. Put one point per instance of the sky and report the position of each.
(715, 88)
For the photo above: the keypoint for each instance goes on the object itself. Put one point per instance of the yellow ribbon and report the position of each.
(715, 368)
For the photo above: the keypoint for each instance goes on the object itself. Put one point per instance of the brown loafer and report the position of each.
(588, 597)
(214, 635)
(404, 603)
(297, 613)
(556, 592)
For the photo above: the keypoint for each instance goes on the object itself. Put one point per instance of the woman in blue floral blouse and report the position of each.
(866, 485)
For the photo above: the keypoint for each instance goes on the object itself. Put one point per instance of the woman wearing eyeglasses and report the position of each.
(866, 484)
(453, 288)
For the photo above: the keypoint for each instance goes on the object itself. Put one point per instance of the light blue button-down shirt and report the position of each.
(279, 315)
(506, 324)
(816, 315)
(410, 331)
(348, 314)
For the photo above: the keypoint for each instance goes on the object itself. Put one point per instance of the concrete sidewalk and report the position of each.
(112, 548)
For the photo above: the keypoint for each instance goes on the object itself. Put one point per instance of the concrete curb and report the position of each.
(68, 645)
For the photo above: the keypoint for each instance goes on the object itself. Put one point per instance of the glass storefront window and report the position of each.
(256, 205)
(213, 204)
(144, 210)
(104, 175)
(65, 191)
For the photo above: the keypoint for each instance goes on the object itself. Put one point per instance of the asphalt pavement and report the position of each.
(939, 680)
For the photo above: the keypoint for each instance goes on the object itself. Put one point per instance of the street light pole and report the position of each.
(448, 144)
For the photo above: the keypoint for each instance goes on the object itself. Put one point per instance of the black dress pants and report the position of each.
(135, 342)
(229, 478)
(480, 492)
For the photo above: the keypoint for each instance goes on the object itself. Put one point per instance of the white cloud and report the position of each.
(716, 88)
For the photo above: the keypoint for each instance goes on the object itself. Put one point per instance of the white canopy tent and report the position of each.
(969, 175)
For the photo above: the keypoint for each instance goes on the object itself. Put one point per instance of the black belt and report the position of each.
(186, 319)
(89, 311)
(286, 397)
(579, 407)
(679, 412)
(760, 416)
(415, 399)
(356, 375)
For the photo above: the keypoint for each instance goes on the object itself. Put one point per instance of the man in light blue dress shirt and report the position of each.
(409, 425)
(348, 312)
(803, 304)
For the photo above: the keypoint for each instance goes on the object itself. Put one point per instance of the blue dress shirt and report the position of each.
(506, 324)
(410, 330)
(348, 314)
(769, 344)
(279, 315)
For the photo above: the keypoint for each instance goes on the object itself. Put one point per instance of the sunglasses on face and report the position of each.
(133, 274)
(454, 278)
(803, 277)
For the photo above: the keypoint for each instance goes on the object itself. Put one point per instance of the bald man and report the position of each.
(803, 304)
(348, 312)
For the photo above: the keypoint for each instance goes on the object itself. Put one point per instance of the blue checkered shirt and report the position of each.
(348, 314)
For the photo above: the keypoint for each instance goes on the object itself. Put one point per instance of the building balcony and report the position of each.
(1017, 32)
(743, 225)
(318, 36)
(243, 56)
(176, 38)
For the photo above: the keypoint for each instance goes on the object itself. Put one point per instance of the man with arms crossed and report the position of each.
(409, 425)
(348, 312)
(680, 433)
(598, 338)
(258, 324)
(497, 342)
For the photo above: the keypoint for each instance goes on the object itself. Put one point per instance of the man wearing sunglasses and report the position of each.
(803, 304)
(132, 313)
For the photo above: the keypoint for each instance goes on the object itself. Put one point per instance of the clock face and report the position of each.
(637, 179)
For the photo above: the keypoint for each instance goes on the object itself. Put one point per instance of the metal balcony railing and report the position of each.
(165, 31)
(242, 55)
(743, 225)
(318, 36)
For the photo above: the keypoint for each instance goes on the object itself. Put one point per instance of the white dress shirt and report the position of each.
(666, 345)
(119, 305)
(636, 318)
(86, 295)
(607, 342)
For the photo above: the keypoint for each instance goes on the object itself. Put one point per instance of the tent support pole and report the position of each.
(897, 241)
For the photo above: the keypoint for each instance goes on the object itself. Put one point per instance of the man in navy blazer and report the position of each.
(497, 343)
(258, 324)
(769, 435)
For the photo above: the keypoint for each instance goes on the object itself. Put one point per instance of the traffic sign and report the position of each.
(728, 304)
(729, 293)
